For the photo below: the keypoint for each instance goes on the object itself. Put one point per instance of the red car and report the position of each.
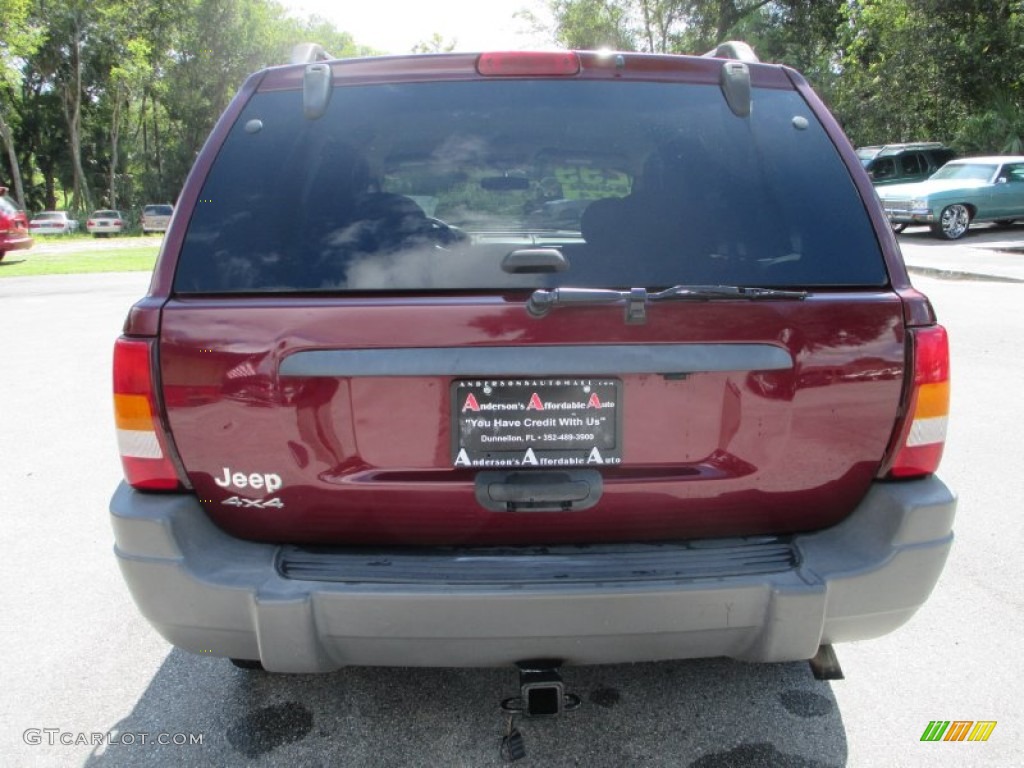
(378, 410)
(14, 230)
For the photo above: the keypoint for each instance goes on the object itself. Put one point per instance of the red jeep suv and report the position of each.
(466, 360)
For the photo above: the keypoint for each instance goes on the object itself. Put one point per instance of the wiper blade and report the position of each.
(543, 300)
(709, 292)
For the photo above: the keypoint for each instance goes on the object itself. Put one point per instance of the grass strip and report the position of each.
(26, 263)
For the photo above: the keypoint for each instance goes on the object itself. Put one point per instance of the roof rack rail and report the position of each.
(890, 148)
(733, 49)
(306, 53)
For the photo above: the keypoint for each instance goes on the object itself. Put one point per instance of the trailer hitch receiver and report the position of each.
(541, 691)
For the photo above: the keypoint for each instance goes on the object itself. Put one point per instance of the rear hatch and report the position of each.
(564, 308)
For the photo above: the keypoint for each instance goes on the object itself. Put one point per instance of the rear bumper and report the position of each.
(208, 592)
(15, 241)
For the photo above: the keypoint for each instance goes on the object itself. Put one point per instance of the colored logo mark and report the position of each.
(958, 730)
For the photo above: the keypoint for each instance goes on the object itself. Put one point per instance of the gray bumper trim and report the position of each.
(498, 567)
(592, 360)
(206, 591)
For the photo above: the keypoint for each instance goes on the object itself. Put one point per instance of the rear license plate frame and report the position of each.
(536, 423)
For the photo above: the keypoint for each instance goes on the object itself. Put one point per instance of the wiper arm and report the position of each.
(542, 301)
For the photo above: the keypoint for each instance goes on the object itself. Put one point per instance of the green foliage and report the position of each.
(932, 70)
(593, 24)
(687, 26)
(891, 70)
(19, 37)
(436, 44)
(107, 102)
(997, 130)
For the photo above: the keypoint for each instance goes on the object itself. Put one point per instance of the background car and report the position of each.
(53, 223)
(902, 163)
(155, 218)
(14, 231)
(960, 193)
(106, 222)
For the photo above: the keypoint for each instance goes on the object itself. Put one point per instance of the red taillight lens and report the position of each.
(528, 64)
(922, 434)
(140, 437)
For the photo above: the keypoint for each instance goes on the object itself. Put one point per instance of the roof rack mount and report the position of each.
(733, 49)
(307, 53)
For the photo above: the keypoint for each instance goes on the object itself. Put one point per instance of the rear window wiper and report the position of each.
(543, 300)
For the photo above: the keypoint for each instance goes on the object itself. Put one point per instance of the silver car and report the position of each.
(155, 218)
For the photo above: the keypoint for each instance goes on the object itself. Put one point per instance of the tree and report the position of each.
(117, 96)
(113, 98)
(63, 58)
(593, 24)
(20, 39)
(674, 25)
(436, 44)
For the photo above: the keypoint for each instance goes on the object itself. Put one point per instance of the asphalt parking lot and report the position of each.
(987, 252)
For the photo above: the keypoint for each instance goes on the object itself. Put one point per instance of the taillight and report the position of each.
(140, 436)
(528, 64)
(922, 434)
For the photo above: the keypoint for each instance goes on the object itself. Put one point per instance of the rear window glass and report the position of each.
(430, 186)
(8, 206)
(966, 171)
(157, 210)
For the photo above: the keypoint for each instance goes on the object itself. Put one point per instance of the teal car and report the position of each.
(960, 193)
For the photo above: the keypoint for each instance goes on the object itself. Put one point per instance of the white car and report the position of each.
(53, 223)
(107, 222)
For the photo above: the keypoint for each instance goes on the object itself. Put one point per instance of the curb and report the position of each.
(952, 274)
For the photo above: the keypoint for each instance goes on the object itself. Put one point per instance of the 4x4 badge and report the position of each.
(236, 501)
